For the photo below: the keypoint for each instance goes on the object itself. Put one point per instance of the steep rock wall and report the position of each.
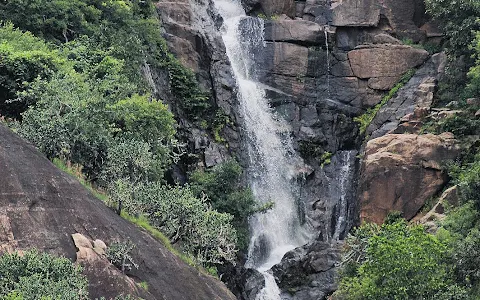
(325, 62)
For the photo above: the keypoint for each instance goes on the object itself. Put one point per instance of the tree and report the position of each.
(223, 186)
(459, 21)
(185, 219)
(398, 262)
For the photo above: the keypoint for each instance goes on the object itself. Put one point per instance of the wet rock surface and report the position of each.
(42, 207)
(309, 272)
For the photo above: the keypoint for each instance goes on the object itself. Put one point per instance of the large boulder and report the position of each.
(385, 61)
(308, 272)
(399, 17)
(270, 8)
(401, 171)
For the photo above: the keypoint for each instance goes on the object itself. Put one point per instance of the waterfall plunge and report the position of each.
(273, 162)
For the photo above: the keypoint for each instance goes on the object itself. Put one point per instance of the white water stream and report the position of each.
(273, 162)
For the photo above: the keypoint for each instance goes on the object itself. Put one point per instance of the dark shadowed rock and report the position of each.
(42, 207)
(308, 272)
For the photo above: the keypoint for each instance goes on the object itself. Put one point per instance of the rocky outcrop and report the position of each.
(401, 171)
(308, 272)
(417, 94)
(41, 207)
(185, 24)
(376, 63)
(102, 275)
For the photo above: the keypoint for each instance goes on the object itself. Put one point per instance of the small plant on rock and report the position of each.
(119, 254)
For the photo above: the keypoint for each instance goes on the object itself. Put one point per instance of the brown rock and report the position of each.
(296, 31)
(401, 171)
(81, 241)
(401, 15)
(352, 13)
(99, 247)
(473, 101)
(385, 61)
(278, 7)
(384, 38)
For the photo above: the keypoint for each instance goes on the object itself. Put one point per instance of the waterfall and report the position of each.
(325, 31)
(274, 165)
(344, 185)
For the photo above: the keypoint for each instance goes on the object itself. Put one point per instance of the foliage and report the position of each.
(473, 87)
(397, 261)
(467, 178)
(119, 254)
(222, 186)
(144, 223)
(459, 21)
(367, 118)
(23, 58)
(185, 219)
(35, 275)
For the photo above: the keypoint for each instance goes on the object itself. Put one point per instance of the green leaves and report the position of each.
(396, 261)
(185, 219)
(35, 275)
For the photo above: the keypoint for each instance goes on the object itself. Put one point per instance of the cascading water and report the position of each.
(345, 184)
(273, 162)
(325, 31)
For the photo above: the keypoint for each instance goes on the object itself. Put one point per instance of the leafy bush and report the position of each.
(119, 254)
(23, 58)
(35, 275)
(222, 185)
(397, 261)
(185, 219)
(459, 21)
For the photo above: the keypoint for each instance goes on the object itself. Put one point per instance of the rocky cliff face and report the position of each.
(325, 62)
(42, 207)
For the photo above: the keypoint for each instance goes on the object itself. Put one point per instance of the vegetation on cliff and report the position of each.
(73, 82)
(398, 260)
(32, 275)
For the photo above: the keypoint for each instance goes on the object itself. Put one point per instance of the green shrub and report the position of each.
(23, 58)
(119, 254)
(184, 218)
(35, 275)
(222, 185)
(397, 261)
